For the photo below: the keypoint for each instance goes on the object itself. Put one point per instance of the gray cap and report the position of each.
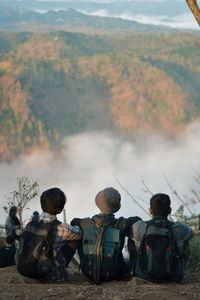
(108, 200)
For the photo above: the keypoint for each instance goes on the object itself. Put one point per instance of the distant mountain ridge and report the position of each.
(176, 7)
(62, 83)
(175, 13)
(72, 20)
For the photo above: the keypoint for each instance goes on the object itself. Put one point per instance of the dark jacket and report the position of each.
(7, 255)
(12, 223)
(109, 220)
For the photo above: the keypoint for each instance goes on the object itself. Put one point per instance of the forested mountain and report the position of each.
(147, 7)
(71, 20)
(56, 84)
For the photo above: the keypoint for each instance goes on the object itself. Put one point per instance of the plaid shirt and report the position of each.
(64, 232)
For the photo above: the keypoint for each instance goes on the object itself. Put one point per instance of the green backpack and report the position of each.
(100, 253)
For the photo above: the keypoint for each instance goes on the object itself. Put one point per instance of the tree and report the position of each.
(194, 9)
(27, 190)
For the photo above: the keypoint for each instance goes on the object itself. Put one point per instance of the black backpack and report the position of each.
(35, 255)
(100, 253)
(158, 253)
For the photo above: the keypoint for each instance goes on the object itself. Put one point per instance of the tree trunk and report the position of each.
(20, 220)
(194, 9)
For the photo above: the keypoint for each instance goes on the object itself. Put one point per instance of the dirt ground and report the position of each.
(15, 286)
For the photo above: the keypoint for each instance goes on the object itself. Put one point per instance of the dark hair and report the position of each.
(53, 201)
(35, 213)
(160, 204)
(12, 211)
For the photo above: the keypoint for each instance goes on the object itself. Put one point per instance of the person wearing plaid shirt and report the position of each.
(65, 236)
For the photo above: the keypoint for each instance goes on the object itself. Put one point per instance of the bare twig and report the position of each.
(189, 200)
(134, 200)
(176, 194)
(197, 179)
(27, 190)
(146, 202)
(196, 194)
(146, 187)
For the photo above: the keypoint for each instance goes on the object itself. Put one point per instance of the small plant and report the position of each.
(27, 190)
(193, 265)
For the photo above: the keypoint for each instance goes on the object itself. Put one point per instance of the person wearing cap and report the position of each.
(12, 223)
(160, 209)
(109, 202)
(7, 253)
(34, 217)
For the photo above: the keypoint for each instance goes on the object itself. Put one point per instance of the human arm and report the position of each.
(75, 221)
(69, 232)
(127, 224)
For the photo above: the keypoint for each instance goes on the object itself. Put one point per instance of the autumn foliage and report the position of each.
(61, 83)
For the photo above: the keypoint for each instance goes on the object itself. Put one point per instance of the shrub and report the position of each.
(193, 265)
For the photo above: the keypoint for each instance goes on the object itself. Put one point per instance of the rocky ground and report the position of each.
(15, 286)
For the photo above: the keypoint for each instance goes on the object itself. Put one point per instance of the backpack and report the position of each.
(100, 253)
(158, 253)
(35, 255)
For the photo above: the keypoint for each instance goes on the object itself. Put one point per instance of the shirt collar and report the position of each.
(106, 214)
(46, 217)
(161, 218)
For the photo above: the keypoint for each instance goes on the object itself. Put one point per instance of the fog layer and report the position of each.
(88, 163)
(185, 20)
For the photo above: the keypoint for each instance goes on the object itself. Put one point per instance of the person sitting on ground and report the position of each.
(7, 253)
(12, 224)
(103, 239)
(160, 248)
(34, 217)
(65, 238)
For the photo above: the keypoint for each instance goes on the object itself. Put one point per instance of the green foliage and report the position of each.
(193, 264)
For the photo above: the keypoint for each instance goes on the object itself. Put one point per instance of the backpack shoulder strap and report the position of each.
(48, 251)
(103, 226)
(165, 223)
(99, 251)
(55, 222)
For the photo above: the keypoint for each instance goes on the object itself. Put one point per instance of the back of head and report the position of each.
(160, 204)
(53, 201)
(13, 211)
(108, 200)
(35, 213)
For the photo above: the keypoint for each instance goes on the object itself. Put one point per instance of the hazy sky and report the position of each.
(109, 1)
(106, 1)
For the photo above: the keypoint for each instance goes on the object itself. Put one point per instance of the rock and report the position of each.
(138, 281)
(98, 290)
(80, 297)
